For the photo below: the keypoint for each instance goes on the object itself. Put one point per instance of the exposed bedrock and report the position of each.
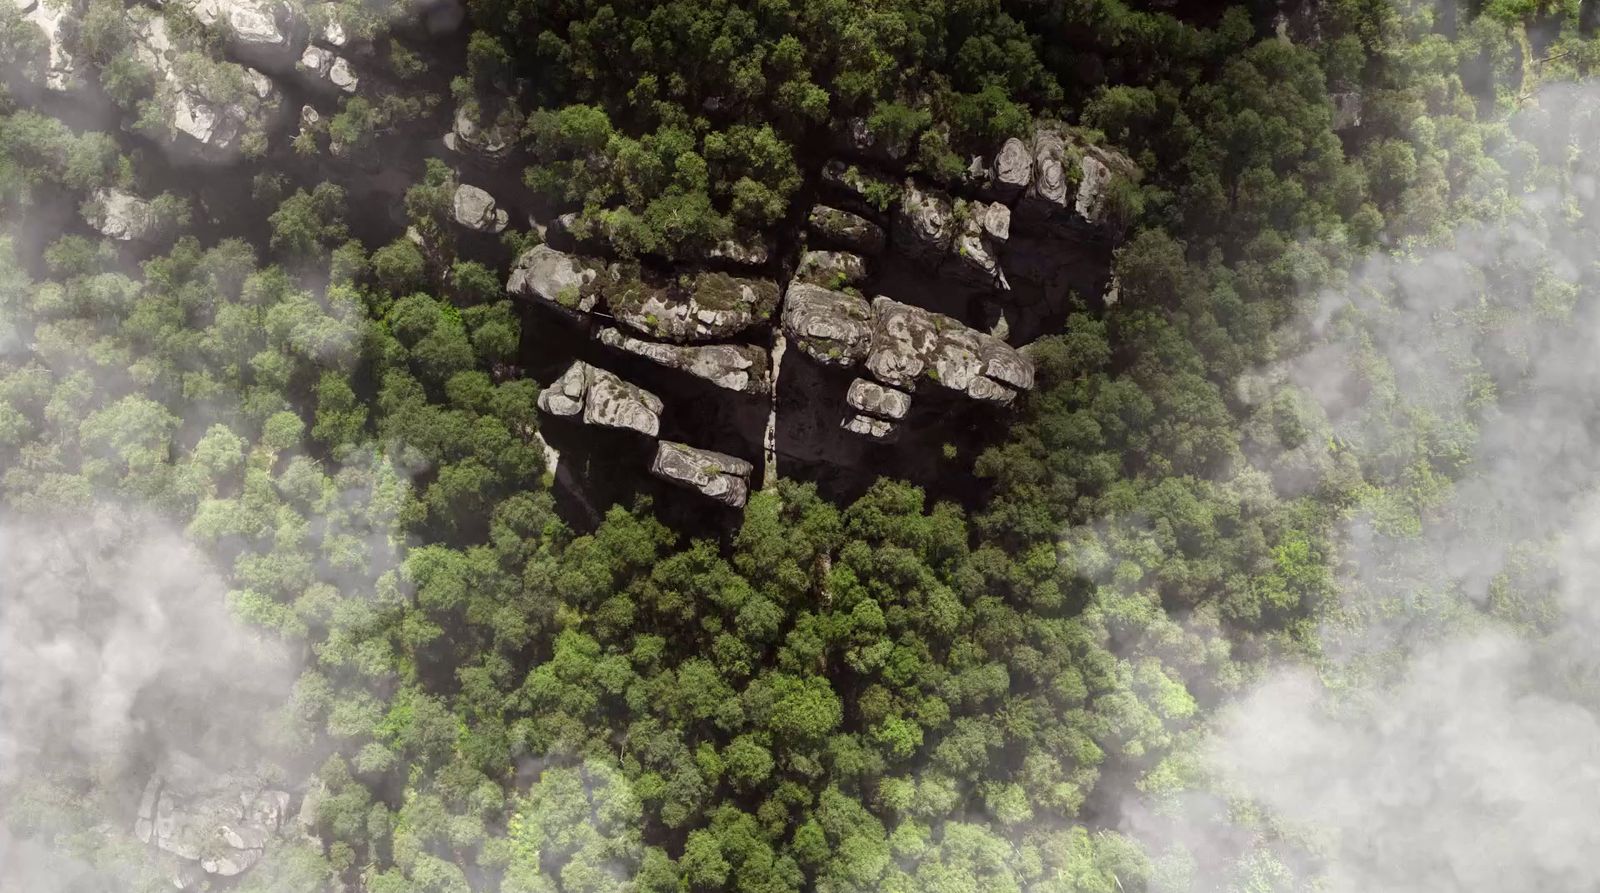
(714, 475)
(601, 398)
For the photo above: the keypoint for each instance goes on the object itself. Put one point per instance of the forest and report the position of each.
(296, 594)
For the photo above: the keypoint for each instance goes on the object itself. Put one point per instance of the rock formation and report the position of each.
(468, 137)
(717, 476)
(222, 822)
(842, 229)
(603, 399)
(559, 280)
(832, 269)
(832, 327)
(476, 210)
(325, 65)
(737, 367)
(120, 215)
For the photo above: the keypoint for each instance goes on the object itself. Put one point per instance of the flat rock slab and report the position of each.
(714, 475)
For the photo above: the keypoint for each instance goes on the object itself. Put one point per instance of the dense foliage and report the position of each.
(896, 694)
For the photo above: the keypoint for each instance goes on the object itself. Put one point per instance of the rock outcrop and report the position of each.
(223, 822)
(1011, 171)
(559, 280)
(120, 215)
(707, 306)
(832, 327)
(54, 21)
(468, 137)
(902, 346)
(832, 227)
(717, 476)
(603, 399)
(737, 367)
(871, 398)
(831, 269)
(259, 26)
(476, 210)
(326, 65)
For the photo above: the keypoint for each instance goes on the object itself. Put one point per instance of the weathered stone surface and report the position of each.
(475, 209)
(749, 253)
(873, 399)
(62, 72)
(831, 226)
(985, 227)
(603, 399)
(718, 476)
(259, 25)
(707, 307)
(223, 821)
(120, 215)
(903, 339)
(218, 125)
(614, 403)
(468, 137)
(832, 327)
(881, 430)
(327, 66)
(1012, 170)
(832, 269)
(910, 344)
(566, 395)
(556, 278)
(924, 224)
(737, 367)
(1047, 192)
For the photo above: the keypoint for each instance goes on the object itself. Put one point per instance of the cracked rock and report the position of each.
(717, 476)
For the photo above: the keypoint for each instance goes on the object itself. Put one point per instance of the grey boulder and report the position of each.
(717, 476)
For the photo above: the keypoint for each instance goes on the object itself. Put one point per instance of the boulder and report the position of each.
(718, 476)
(222, 821)
(54, 20)
(120, 215)
(904, 339)
(709, 306)
(832, 327)
(873, 399)
(559, 280)
(614, 403)
(924, 224)
(260, 26)
(737, 367)
(831, 269)
(604, 400)
(910, 344)
(1047, 193)
(468, 137)
(872, 428)
(984, 228)
(218, 125)
(476, 210)
(842, 229)
(327, 66)
(1012, 171)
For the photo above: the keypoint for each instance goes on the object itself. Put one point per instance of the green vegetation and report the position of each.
(898, 694)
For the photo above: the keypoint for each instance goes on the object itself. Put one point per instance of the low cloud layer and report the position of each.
(1450, 740)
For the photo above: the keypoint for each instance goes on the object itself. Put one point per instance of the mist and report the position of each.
(1448, 736)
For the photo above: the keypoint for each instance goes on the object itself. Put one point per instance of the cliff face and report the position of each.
(893, 289)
